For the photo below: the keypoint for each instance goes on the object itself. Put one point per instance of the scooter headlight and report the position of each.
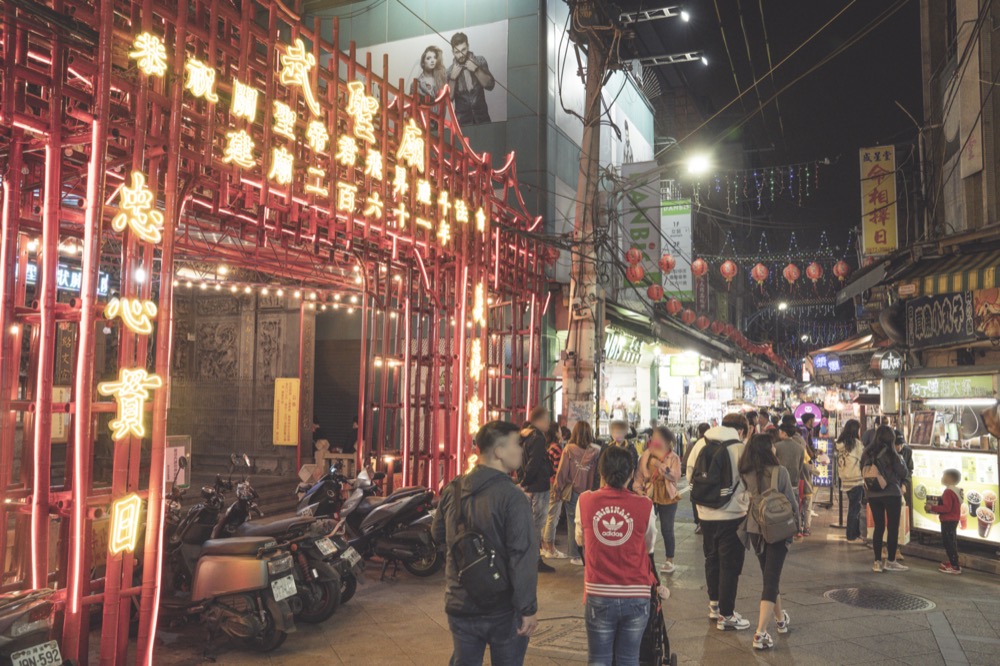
(279, 565)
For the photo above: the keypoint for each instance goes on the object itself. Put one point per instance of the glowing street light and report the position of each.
(698, 165)
(782, 306)
(685, 15)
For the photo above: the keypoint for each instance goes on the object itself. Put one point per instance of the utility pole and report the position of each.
(586, 308)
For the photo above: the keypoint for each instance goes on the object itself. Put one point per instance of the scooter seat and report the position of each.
(406, 491)
(235, 546)
(276, 528)
(368, 504)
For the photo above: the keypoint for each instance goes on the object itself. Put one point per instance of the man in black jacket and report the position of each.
(536, 479)
(498, 509)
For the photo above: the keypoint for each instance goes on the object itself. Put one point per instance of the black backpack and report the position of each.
(480, 572)
(713, 482)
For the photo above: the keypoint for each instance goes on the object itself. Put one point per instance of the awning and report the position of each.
(871, 277)
(951, 274)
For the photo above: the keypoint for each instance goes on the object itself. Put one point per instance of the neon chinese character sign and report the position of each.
(151, 54)
(295, 66)
(126, 514)
(131, 392)
(137, 211)
(136, 313)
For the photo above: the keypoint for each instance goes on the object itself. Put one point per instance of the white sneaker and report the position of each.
(668, 568)
(713, 610)
(577, 561)
(894, 566)
(734, 621)
(877, 567)
(762, 641)
(784, 622)
(553, 554)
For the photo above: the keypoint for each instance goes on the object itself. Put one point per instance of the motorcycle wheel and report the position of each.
(269, 639)
(426, 566)
(327, 601)
(348, 586)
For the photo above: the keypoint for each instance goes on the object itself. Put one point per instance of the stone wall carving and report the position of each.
(269, 341)
(217, 357)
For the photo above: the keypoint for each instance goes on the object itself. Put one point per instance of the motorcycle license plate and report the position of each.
(326, 546)
(283, 588)
(352, 556)
(44, 654)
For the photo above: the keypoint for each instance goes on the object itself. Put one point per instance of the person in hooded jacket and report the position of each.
(494, 506)
(536, 476)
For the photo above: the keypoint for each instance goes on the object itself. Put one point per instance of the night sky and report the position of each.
(846, 104)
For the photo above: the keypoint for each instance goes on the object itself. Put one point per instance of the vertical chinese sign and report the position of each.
(878, 200)
(285, 431)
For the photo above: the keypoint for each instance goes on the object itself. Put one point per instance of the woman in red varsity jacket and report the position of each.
(617, 530)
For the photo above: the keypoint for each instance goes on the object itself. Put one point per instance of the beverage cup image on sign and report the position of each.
(963, 519)
(990, 500)
(985, 517)
(974, 499)
(920, 492)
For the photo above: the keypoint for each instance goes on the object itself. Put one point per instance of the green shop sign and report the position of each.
(963, 386)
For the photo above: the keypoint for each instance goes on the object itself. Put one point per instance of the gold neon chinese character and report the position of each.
(374, 206)
(444, 204)
(347, 151)
(480, 220)
(317, 187)
(444, 232)
(426, 224)
(244, 101)
(317, 136)
(411, 147)
(400, 185)
(461, 211)
(126, 515)
(473, 408)
(373, 165)
(151, 53)
(239, 149)
(476, 360)
(346, 194)
(131, 392)
(402, 216)
(136, 313)
(200, 79)
(284, 120)
(361, 108)
(281, 166)
(423, 191)
(137, 211)
(295, 66)
(479, 305)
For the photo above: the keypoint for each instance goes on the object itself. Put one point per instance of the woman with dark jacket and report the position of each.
(885, 501)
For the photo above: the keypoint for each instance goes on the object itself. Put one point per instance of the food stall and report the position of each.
(954, 424)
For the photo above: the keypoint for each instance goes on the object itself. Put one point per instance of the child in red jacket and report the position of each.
(950, 510)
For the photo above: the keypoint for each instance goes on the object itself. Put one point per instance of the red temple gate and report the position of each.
(138, 136)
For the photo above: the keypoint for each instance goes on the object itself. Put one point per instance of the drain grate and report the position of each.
(880, 599)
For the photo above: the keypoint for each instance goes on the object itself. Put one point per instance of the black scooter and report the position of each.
(25, 628)
(396, 528)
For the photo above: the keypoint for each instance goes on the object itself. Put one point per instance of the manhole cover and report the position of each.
(876, 599)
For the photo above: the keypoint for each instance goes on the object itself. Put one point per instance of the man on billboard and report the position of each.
(470, 78)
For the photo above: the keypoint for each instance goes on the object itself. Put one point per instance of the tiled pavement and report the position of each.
(403, 622)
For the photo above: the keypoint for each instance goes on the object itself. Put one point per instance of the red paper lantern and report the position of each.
(702, 322)
(759, 274)
(667, 263)
(635, 273)
(688, 316)
(655, 293)
(699, 267)
(674, 306)
(728, 330)
(728, 270)
(841, 270)
(791, 273)
(814, 271)
(633, 256)
(717, 327)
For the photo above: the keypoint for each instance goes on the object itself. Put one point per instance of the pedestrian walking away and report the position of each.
(656, 478)
(883, 472)
(617, 530)
(791, 452)
(485, 504)
(557, 438)
(948, 506)
(536, 478)
(849, 450)
(772, 501)
(718, 492)
(577, 470)
(699, 435)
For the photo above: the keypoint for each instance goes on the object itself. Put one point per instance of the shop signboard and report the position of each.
(833, 364)
(621, 347)
(823, 476)
(962, 386)
(685, 365)
(808, 408)
(940, 320)
(979, 482)
(642, 231)
(675, 222)
(286, 411)
(888, 364)
(878, 200)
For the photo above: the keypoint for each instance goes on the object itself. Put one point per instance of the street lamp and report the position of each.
(698, 164)
(685, 15)
(782, 306)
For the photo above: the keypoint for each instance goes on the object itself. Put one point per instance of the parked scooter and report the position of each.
(320, 566)
(396, 528)
(243, 587)
(25, 628)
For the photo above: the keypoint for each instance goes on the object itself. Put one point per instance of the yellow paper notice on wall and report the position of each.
(286, 411)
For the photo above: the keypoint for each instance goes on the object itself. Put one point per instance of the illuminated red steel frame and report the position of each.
(114, 112)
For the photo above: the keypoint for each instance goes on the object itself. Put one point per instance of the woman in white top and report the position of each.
(849, 450)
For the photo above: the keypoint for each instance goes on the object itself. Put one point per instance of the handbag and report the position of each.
(566, 492)
(904, 525)
(480, 572)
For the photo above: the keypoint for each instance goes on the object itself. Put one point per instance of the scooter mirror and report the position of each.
(246, 461)
(182, 462)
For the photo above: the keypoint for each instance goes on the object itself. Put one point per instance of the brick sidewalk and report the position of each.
(403, 622)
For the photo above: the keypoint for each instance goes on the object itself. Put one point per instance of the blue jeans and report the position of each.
(854, 497)
(667, 513)
(614, 630)
(574, 550)
(539, 511)
(471, 635)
